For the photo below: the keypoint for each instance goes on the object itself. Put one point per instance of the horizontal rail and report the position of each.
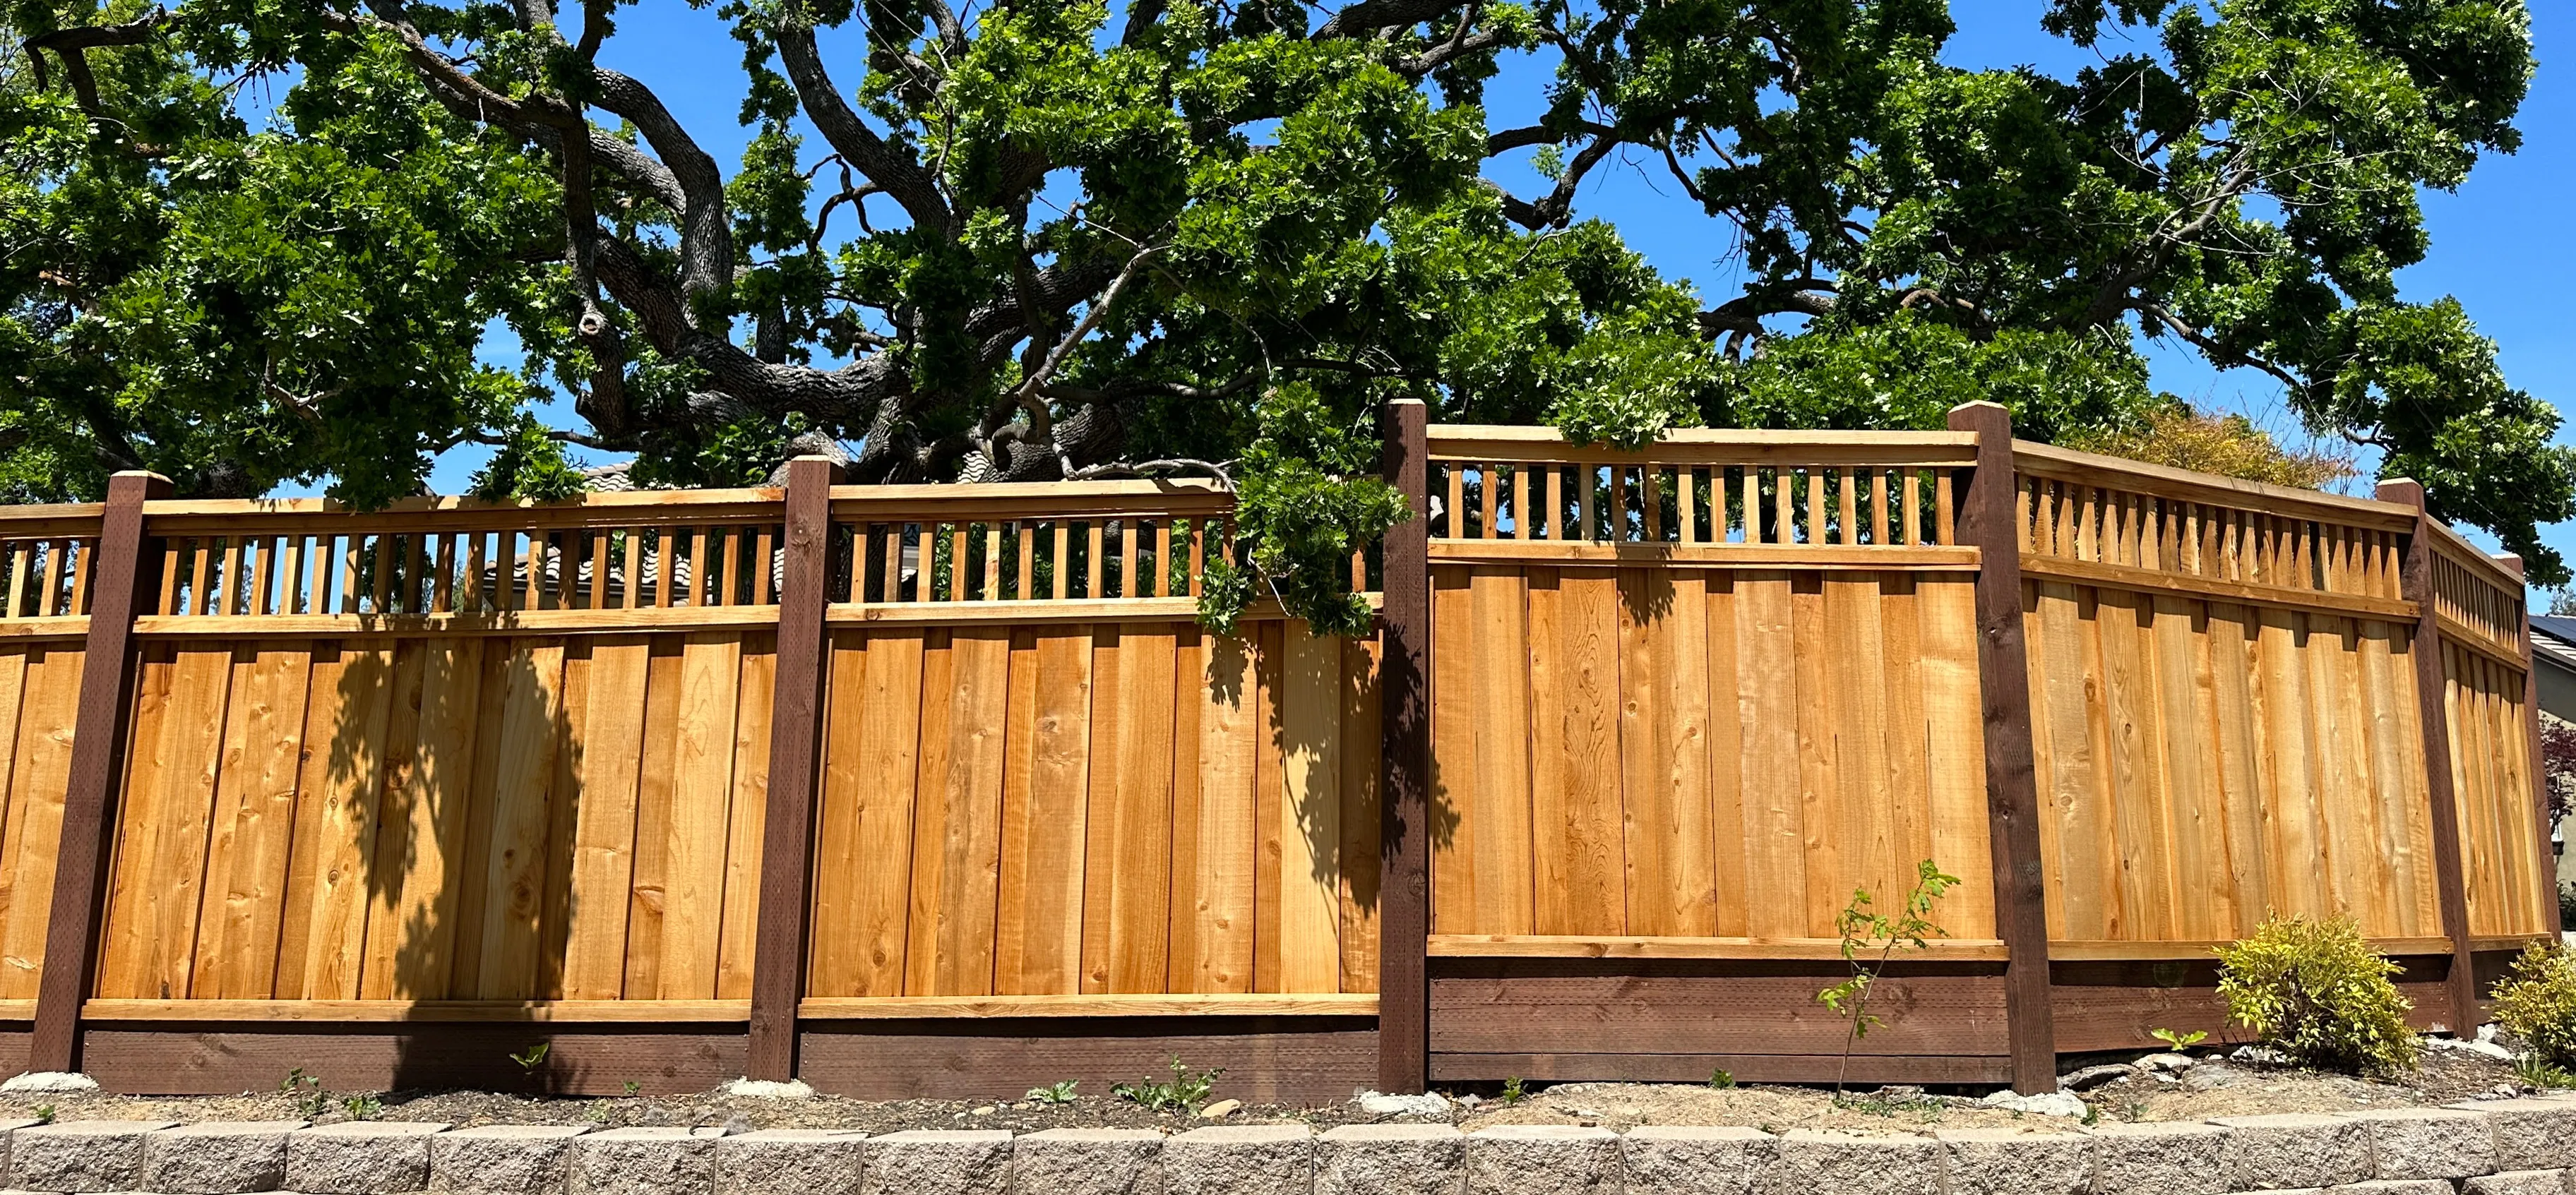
(449, 1011)
(2095, 469)
(2086, 572)
(72, 626)
(2119, 951)
(516, 622)
(2454, 546)
(1706, 446)
(1795, 949)
(1893, 557)
(270, 516)
(2467, 636)
(986, 502)
(845, 1008)
(50, 520)
(1173, 609)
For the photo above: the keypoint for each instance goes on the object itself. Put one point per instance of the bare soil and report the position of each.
(2211, 1087)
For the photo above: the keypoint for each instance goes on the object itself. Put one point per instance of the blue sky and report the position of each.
(2503, 244)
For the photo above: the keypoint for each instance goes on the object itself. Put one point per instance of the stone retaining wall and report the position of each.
(2503, 1147)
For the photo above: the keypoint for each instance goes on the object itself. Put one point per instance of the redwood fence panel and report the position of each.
(440, 782)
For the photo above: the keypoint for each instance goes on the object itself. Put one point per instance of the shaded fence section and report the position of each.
(406, 792)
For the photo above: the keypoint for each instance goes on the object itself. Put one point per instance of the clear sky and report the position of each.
(2505, 243)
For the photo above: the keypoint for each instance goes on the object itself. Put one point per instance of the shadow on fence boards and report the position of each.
(942, 791)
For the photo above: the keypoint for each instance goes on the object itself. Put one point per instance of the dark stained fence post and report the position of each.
(795, 751)
(2012, 779)
(1404, 688)
(2415, 584)
(98, 741)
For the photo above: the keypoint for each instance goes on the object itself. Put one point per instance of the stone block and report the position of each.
(1391, 1159)
(789, 1162)
(2530, 1134)
(1686, 1160)
(502, 1159)
(218, 1158)
(2519, 1182)
(80, 1155)
(1088, 1162)
(2395, 1186)
(2411, 1143)
(2168, 1158)
(1246, 1159)
(937, 1162)
(2295, 1150)
(1821, 1162)
(1543, 1159)
(2007, 1162)
(645, 1161)
(360, 1157)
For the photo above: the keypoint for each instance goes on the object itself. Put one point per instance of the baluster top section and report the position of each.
(1719, 497)
(45, 566)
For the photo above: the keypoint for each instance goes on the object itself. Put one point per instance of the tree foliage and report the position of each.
(1053, 239)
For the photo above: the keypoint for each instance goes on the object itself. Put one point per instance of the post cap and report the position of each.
(2404, 491)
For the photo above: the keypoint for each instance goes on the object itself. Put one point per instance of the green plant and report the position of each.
(1867, 933)
(1513, 1091)
(2316, 992)
(44, 1114)
(532, 1057)
(633, 1087)
(1183, 1092)
(2539, 1072)
(1721, 1078)
(310, 1099)
(363, 1107)
(1054, 1093)
(2537, 1001)
(2179, 1041)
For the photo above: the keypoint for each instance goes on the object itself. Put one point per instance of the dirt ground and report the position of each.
(2212, 1086)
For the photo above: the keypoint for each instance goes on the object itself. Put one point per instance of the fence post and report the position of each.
(1404, 690)
(2539, 769)
(1987, 521)
(98, 741)
(2415, 584)
(795, 750)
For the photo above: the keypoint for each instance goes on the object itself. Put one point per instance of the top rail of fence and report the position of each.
(2477, 597)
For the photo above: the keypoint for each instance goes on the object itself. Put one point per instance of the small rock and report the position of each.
(1377, 1104)
(2054, 1103)
(1219, 1110)
(50, 1081)
(1471, 1101)
(2092, 1076)
(764, 1089)
(2482, 1047)
(2176, 1063)
(2264, 1054)
(986, 1110)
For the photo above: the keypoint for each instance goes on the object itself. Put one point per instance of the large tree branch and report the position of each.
(706, 227)
(1370, 15)
(73, 45)
(894, 169)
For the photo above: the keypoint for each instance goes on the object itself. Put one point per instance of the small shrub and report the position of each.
(533, 1057)
(2178, 1042)
(2532, 1070)
(363, 1107)
(44, 1114)
(1869, 942)
(2316, 992)
(2538, 1002)
(1721, 1078)
(1184, 1092)
(632, 1087)
(1513, 1091)
(1054, 1093)
(310, 1100)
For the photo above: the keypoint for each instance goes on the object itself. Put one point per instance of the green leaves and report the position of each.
(2315, 991)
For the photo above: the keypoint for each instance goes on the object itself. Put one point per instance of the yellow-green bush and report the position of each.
(2316, 992)
(2538, 1001)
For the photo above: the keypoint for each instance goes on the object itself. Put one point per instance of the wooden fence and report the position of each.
(913, 790)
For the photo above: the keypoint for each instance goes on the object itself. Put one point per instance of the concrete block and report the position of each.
(2170, 1158)
(937, 1162)
(789, 1162)
(645, 1161)
(218, 1158)
(2395, 1186)
(80, 1155)
(8, 1127)
(2530, 1134)
(1245, 1159)
(1088, 1162)
(1820, 1162)
(1390, 1159)
(1543, 1159)
(1682, 1160)
(502, 1159)
(2294, 1150)
(2410, 1143)
(360, 1157)
(2519, 1182)
(2005, 1162)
